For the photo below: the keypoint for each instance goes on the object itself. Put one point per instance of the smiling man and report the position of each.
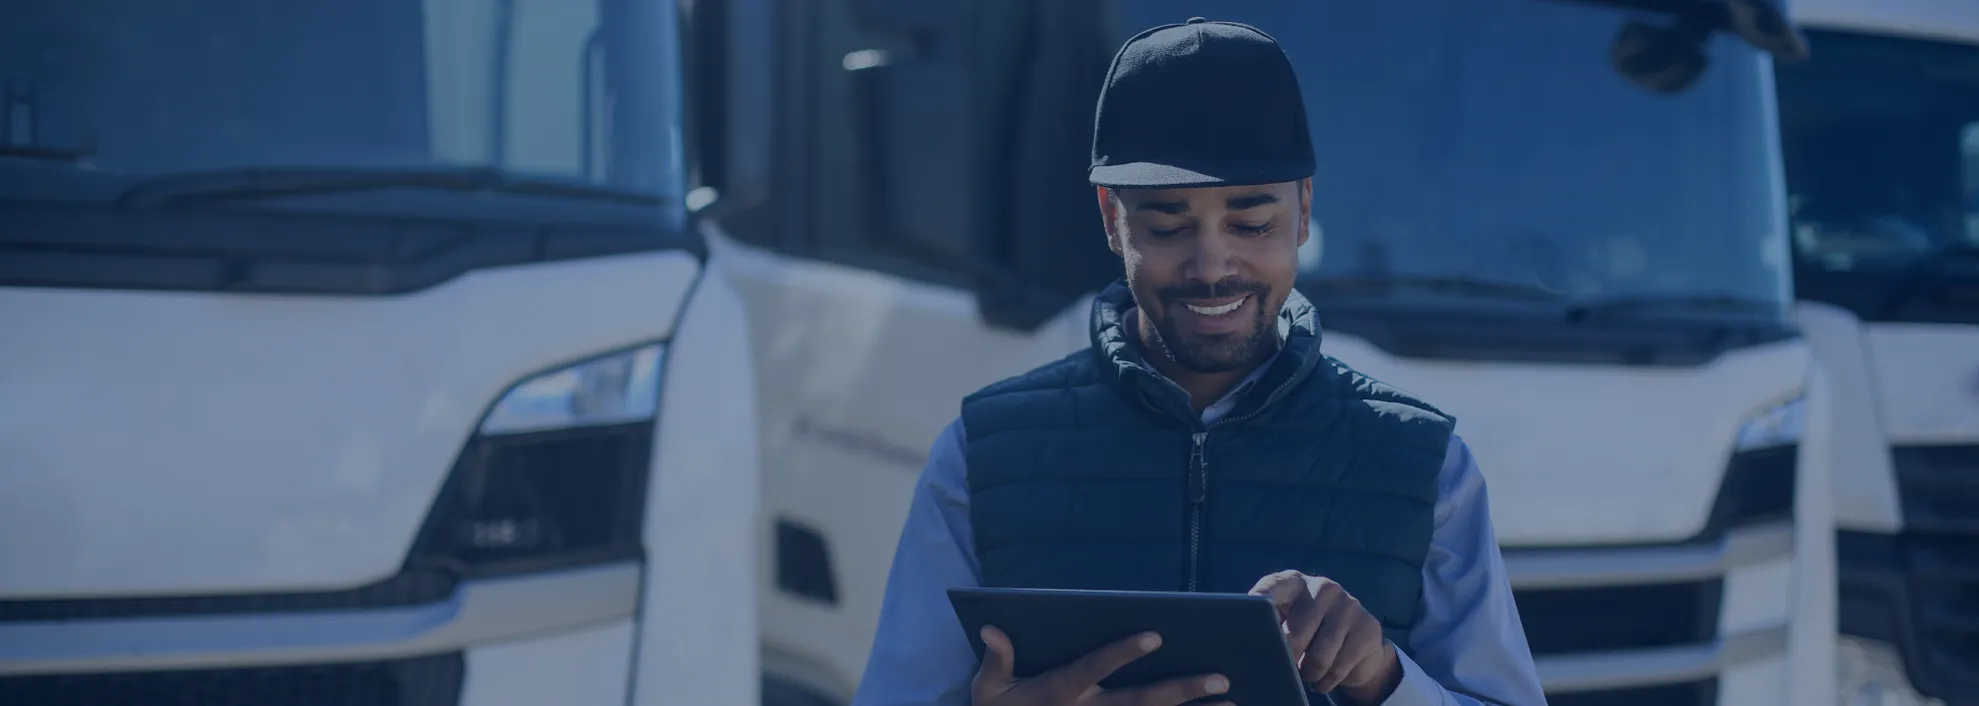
(1202, 442)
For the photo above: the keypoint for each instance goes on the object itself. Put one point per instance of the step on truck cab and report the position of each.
(1588, 269)
(1881, 132)
(360, 351)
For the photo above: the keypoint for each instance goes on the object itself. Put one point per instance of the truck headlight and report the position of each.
(555, 475)
(1779, 425)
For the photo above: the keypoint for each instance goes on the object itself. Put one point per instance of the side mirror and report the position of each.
(730, 109)
(1764, 25)
(1669, 58)
(914, 130)
(974, 158)
(922, 139)
(1662, 59)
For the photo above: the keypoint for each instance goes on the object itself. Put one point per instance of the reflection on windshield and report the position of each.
(543, 88)
(1882, 150)
(1492, 140)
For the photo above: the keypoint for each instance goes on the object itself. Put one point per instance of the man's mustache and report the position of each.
(1226, 287)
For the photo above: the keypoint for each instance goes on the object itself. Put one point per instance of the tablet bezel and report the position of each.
(1236, 635)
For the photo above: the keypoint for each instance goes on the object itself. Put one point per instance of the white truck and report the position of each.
(1881, 135)
(1588, 267)
(361, 352)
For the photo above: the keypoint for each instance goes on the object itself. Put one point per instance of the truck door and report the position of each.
(924, 228)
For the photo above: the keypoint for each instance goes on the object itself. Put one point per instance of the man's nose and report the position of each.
(1214, 259)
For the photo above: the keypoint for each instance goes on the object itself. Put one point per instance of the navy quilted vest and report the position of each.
(1092, 472)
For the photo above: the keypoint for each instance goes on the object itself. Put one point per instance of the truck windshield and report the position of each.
(1490, 144)
(1882, 154)
(125, 92)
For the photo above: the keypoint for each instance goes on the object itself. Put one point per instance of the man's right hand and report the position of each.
(1078, 682)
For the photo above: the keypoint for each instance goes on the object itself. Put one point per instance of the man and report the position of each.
(1203, 442)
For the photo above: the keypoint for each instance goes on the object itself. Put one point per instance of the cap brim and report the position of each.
(1154, 175)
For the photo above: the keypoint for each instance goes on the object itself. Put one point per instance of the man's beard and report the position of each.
(1214, 355)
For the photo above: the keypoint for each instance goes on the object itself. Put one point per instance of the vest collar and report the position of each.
(1114, 344)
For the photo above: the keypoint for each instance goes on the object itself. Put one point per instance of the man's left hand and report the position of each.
(1336, 643)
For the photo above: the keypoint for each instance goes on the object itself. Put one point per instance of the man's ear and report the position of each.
(1109, 213)
(1305, 210)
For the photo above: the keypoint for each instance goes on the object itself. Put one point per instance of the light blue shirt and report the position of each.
(1469, 648)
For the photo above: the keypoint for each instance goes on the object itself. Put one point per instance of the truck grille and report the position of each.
(423, 681)
(1615, 618)
(1758, 488)
(1938, 555)
(1566, 621)
(1701, 693)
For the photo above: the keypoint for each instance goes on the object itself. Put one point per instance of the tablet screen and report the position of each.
(1235, 635)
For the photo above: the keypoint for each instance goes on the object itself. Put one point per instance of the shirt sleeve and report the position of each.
(1469, 648)
(920, 656)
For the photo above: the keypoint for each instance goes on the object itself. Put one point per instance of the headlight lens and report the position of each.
(617, 388)
(557, 475)
(1779, 425)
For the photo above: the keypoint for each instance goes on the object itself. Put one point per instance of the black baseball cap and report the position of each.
(1200, 104)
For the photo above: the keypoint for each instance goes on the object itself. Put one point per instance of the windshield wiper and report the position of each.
(1719, 303)
(52, 154)
(270, 182)
(1454, 285)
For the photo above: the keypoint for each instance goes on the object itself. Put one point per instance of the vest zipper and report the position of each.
(1198, 490)
(1199, 482)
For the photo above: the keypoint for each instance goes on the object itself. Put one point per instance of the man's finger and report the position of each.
(1292, 596)
(1323, 658)
(1364, 643)
(1172, 692)
(999, 658)
(1286, 589)
(1083, 675)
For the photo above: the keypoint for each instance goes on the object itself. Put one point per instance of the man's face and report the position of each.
(1210, 267)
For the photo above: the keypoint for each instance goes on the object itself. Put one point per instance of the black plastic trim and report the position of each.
(1697, 693)
(435, 680)
(422, 556)
(1878, 601)
(803, 563)
(1565, 621)
(1544, 335)
(1918, 591)
(406, 588)
(285, 252)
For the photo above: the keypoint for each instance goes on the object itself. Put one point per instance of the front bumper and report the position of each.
(1698, 623)
(563, 637)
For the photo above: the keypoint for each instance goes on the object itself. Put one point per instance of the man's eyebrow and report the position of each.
(1173, 208)
(1250, 201)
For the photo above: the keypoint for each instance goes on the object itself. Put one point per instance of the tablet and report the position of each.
(1235, 635)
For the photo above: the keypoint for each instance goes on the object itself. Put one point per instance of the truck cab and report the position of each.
(1881, 136)
(364, 352)
(1588, 267)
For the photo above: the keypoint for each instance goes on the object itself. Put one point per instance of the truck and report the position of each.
(1562, 222)
(1881, 135)
(365, 352)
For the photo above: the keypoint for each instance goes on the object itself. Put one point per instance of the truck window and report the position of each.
(936, 141)
(164, 146)
(1881, 139)
(1492, 139)
(130, 89)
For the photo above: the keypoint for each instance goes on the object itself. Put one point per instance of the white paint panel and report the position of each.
(181, 443)
(583, 668)
(1927, 381)
(1586, 455)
